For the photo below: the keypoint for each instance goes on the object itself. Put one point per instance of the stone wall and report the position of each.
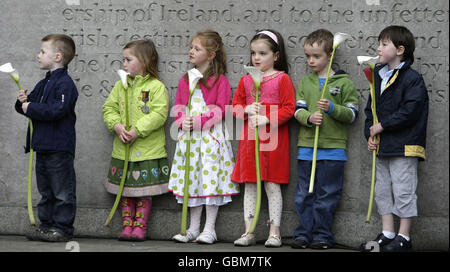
(101, 28)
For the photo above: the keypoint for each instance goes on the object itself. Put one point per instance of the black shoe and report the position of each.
(381, 240)
(320, 245)
(37, 234)
(398, 244)
(300, 243)
(55, 236)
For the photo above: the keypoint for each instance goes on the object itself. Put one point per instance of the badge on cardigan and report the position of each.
(144, 95)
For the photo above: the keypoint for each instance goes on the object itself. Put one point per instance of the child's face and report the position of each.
(316, 58)
(388, 53)
(262, 55)
(198, 55)
(131, 64)
(48, 58)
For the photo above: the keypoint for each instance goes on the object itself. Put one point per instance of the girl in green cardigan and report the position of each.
(148, 169)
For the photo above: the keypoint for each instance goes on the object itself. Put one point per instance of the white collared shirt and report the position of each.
(385, 74)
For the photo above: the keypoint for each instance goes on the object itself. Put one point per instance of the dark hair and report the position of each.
(63, 44)
(400, 36)
(321, 36)
(281, 63)
(145, 52)
(212, 42)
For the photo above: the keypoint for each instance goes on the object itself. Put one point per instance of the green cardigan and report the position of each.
(151, 142)
(333, 132)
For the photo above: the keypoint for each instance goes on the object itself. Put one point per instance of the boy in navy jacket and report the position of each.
(402, 110)
(51, 107)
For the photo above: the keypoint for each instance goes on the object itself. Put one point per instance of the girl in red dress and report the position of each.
(270, 115)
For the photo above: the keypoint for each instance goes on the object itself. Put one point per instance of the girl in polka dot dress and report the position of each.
(211, 158)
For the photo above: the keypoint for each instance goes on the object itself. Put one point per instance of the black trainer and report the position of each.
(381, 240)
(55, 236)
(398, 244)
(320, 245)
(37, 235)
(300, 243)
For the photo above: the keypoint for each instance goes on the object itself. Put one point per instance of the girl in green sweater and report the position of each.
(148, 169)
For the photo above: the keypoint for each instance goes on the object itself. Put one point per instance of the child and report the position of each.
(269, 116)
(51, 107)
(340, 106)
(402, 110)
(212, 160)
(148, 169)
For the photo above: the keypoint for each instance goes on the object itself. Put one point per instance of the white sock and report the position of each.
(196, 214)
(404, 236)
(388, 234)
(211, 215)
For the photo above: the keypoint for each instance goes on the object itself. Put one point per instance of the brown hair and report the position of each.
(321, 36)
(145, 52)
(63, 44)
(281, 63)
(212, 42)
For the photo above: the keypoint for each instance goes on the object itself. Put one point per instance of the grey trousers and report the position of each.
(395, 187)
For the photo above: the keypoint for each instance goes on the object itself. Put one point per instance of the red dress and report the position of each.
(277, 95)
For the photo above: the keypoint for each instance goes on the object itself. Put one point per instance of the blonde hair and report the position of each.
(63, 44)
(212, 42)
(145, 52)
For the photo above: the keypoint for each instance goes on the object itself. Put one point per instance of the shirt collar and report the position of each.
(385, 73)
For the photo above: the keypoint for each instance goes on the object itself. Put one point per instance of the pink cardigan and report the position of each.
(215, 98)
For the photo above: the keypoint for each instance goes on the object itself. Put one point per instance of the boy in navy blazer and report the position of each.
(51, 107)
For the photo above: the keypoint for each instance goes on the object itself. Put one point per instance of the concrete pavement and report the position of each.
(12, 243)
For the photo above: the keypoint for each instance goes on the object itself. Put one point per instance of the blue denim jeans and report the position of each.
(55, 176)
(316, 210)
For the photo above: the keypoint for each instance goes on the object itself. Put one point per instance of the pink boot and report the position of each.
(143, 207)
(128, 206)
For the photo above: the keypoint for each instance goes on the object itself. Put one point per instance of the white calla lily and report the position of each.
(257, 77)
(339, 38)
(123, 76)
(255, 73)
(371, 61)
(8, 68)
(194, 76)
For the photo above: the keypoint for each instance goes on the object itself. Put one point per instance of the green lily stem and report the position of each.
(186, 174)
(30, 178)
(30, 168)
(258, 176)
(374, 152)
(125, 168)
(316, 135)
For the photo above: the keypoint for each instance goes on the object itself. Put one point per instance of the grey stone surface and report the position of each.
(101, 28)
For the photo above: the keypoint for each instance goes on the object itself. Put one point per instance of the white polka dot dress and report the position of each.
(211, 162)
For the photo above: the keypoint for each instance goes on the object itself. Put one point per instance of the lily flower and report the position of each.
(194, 76)
(257, 76)
(370, 73)
(7, 68)
(370, 61)
(123, 77)
(338, 38)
